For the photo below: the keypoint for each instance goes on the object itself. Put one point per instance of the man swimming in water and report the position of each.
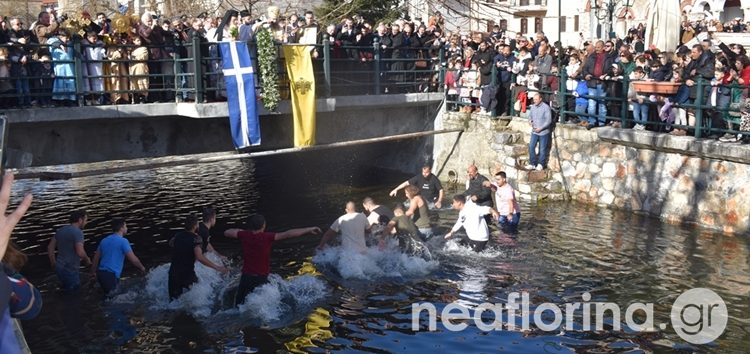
(186, 249)
(472, 218)
(352, 226)
(256, 252)
(429, 186)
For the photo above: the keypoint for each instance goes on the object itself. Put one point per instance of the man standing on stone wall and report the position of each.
(540, 117)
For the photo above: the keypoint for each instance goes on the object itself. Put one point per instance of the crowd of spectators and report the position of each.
(483, 71)
(598, 74)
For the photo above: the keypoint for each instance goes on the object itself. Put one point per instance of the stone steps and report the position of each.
(532, 185)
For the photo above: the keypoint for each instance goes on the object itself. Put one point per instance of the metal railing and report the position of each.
(191, 71)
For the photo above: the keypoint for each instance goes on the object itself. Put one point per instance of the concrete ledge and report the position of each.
(211, 110)
(685, 145)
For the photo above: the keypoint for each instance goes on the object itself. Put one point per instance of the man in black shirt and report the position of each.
(186, 249)
(204, 230)
(478, 193)
(429, 186)
(376, 214)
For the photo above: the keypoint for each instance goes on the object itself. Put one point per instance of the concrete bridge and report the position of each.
(66, 135)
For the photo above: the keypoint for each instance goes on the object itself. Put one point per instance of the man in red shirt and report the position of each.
(256, 252)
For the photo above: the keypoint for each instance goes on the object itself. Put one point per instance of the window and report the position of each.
(523, 3)
(575, 23)
(524, 25)
(490, 24)
(563, 23)
(504, 25)
(538, 27)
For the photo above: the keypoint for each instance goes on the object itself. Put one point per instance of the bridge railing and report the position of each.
(191, 71)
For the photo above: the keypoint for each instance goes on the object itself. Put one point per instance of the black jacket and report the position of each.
(589, 66)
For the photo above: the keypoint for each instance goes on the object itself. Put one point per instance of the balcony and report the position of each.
(528, 8)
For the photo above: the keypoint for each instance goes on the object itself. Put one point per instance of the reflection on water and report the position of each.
(351, 304)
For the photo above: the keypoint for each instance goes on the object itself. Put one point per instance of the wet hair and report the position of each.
(76, 215)
(207, 213)
(117, 224)
(501, 174)
(191, 222)
(459, 198)
(256, 222)
(413, 190)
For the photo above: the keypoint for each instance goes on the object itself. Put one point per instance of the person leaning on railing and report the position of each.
(700, 67)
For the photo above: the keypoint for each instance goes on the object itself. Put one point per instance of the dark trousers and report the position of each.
(107, 280)
(503, 98)
(179, 283)
(248, 283)
(476, 246)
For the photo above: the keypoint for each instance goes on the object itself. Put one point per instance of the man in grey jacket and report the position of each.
(540, 117)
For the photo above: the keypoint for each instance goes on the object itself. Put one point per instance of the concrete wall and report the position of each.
(680, 179)
(90, 134)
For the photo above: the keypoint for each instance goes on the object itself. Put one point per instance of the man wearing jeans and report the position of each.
(68, 240)
(540, 117)
(594, 71)
(506, 203)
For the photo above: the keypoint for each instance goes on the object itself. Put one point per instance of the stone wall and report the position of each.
(613, 168)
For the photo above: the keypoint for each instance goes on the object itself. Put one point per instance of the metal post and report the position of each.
(443, 67)
(327, 64)
(78, 71)
(561, 94)
(559, 24)
(493, 83)
(198, 74)
(699, 109)
(376, 47)
(624, 101)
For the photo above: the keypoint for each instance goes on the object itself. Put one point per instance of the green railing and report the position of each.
(191, 71)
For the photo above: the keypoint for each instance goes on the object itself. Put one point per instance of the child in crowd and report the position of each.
(613, 83)
(452, 78)
(139, 71)
(46, 81)
(93, 54)
(640, 107)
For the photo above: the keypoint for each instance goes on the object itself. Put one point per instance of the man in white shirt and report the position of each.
(352, 227)
(505, 200)
(471, 218)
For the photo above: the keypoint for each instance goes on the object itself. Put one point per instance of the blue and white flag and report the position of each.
(238, 75)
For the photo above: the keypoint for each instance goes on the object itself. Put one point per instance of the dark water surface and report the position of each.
(561, 251)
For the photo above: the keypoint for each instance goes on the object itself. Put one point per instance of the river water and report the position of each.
(334, 301)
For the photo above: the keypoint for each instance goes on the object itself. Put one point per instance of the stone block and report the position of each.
(621, 171)
(510, 162)
(582, 170)
(618, 153)
(594, 168)
(524, 188)
(566, 155)
(577, 157)
(607, 198)
(609, 170)
(538, 176)
(604, 151)
(555, 187)
(568, 169)
(582, 186)
(505, 138)
(557, 177)
(554, 165)
(608, 184)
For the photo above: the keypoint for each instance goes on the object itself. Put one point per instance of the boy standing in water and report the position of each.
(186, 249)
(256, 252)
(472, 218)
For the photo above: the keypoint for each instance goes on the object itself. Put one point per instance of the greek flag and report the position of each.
(238, 75)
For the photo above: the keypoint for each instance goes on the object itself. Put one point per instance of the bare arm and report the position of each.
(205, 261)
(210, 248)
(95, 263)
(232, 233)
(135, 261)
(400, 187)
(297, 233)
(327, 236)
(439, 202)
(82, 253)
(51, 251)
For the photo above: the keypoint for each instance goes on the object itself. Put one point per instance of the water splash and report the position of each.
(279, 298)
(454, 248)
(374, 263)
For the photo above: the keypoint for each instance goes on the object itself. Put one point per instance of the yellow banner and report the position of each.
(302, 84)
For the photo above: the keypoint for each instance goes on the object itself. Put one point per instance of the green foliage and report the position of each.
(373, 11)
(267, 62)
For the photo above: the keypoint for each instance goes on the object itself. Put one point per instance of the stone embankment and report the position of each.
(680, 179)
